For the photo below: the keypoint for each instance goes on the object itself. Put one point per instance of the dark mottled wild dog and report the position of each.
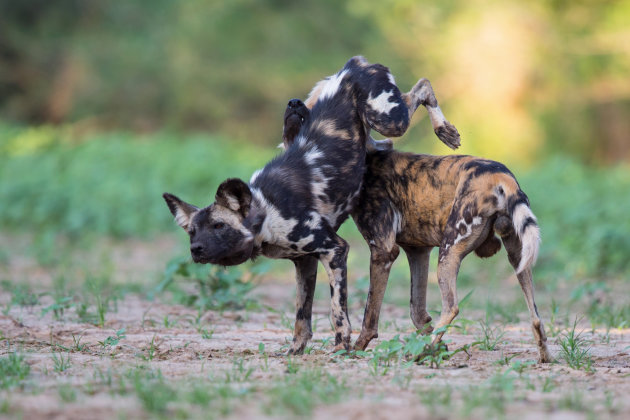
(293, 207)
(456, 203)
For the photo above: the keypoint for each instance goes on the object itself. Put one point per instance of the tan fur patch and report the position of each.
(230, 218)
(328, 128)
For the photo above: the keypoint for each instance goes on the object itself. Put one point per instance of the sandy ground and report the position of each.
(211, 348)
(182, 354)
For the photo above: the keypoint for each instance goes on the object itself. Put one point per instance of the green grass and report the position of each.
(299, 393)
(491, 336)
(13, 370)
(575, 349)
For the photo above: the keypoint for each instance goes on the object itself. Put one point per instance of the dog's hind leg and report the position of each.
(422, 94)
(513, 247)
(448, 268)
(464, 232)
(306, 276)
(335, 262)
(381, 260)
(418, 258)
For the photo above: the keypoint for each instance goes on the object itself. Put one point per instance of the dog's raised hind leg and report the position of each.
(422, 94)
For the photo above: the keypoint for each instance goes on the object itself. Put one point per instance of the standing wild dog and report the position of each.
(456, 203)
(293, 207)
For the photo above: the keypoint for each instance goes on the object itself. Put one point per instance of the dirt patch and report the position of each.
(186, 346)
(154, 358)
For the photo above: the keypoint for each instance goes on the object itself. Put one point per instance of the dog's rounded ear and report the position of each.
(182, 211)
(235, 195)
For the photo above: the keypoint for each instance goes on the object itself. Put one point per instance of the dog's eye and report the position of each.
(218, 225)
(301, 119)
(191, 231)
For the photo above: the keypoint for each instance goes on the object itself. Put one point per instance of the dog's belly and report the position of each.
(278, 252)
(419, 233)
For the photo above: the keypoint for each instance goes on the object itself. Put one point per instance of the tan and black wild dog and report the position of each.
(293, 206)
(456, 203)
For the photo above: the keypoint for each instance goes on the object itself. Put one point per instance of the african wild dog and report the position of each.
(456, 203)
(293, 207)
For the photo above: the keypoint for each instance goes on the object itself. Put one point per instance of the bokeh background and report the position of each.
(104, 105)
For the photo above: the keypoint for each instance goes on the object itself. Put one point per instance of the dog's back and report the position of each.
(428, 193)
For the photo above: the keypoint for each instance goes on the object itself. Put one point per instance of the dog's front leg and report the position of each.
(381, 260)
(306, 276)
(335, 262)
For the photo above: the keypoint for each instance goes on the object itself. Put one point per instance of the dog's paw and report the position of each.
(449, 135)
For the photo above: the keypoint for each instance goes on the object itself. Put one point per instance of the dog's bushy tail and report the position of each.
(526, 227)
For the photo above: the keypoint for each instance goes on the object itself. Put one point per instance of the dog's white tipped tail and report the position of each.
(526, 227)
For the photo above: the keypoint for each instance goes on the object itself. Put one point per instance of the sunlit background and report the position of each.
(519, 79)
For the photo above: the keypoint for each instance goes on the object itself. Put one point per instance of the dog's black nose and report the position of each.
(294, 103)
(195, 249)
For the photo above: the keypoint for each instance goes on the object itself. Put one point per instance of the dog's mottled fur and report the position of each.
(293, 206)
(456, 203)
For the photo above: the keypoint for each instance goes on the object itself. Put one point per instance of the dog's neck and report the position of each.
(254, 222)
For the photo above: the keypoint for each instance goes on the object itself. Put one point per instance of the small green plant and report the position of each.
(265, 356)
(99, 298)
(206, 334)
(384, 354)
(58, 307)
(76, 343)
(13, 370)
(505, 360)
(111, 341)
(491, 336)
(21, 295)
(67, 393)
(548, 385)
(152, 350)
(575, 350)
(151, 389)
(292, 367)
(61, 363)
(239, 372)
(519, 366)
(325, 342)
(414, 347)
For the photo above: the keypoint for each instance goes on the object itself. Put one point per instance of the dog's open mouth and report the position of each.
(293, 118)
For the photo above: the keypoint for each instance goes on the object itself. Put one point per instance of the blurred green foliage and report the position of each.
(517, 78)
(110, 184)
